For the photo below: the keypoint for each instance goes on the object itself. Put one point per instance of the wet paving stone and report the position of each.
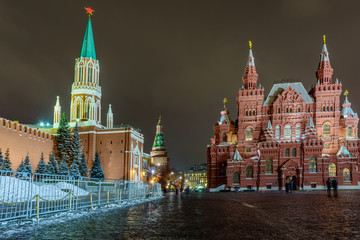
(252, 215)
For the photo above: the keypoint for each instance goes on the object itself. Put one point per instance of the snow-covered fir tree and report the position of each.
(1, 159)
(74, 169)
(83, 168)
(41, 167)
(96, 170)
(27, 166)
(20, 168)
(62, 142)
(75, 145)
(54, 163)
(63, 169)
(50, 168)
(6, 164)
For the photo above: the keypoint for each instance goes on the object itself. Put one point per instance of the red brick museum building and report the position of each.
(291, 134)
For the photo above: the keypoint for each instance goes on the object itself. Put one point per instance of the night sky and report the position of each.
(178, 59)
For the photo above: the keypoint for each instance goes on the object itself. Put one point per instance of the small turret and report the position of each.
(347, 111)
(57, 113)
(268, 134)
(224, 119)
(310, 130)
(110, 118)
(324, 72)
(250, 76)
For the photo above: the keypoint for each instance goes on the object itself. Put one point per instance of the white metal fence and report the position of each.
(24, 195)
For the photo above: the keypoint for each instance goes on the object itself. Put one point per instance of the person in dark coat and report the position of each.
(335, 186)
(328, 184)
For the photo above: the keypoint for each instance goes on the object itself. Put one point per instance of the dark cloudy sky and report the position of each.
(177, 59)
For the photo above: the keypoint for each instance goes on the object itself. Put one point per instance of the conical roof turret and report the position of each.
(250, 76)
(347, 111)
(310, 130)
(268, 134)
(224, 118)
(88, 46)
(325, 71)
(159, 137)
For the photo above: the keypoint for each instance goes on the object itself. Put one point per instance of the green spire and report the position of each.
(159, 122)
(88, 46)
(159, 137)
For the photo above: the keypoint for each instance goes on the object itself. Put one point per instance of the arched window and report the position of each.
(287, 132)
(249, 172)
(308, 109)
(250, 113)
(249, 134)
(294, 152)
(312, 165)
(299, 110)
(268, 166)
(331, 108)
(291, 110)
(327, 108)
(78, 111)
(236, 177)
(287, 110)
(298, 128)
(246, 113)
(326, 130)
(346, 175)
(287, 152)
(349, 131)
(277, 132)
(278, 111)
(323, 108)
(254, 113)
(224, 137)
(90, 74)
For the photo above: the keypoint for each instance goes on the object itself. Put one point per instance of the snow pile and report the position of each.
(14, 190)
(78, 192)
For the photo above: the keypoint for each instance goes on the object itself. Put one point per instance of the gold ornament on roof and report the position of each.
(346, 93)
(324, 38)
(250, 44)
(225, 101)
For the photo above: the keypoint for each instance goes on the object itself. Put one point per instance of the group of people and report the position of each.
(181, 189)
(289, 185)
(332, 183)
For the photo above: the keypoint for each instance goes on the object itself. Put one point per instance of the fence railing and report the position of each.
(24, 195)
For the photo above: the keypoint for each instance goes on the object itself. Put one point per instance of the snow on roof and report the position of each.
(343, 151)
(280, 87)
(236, 156)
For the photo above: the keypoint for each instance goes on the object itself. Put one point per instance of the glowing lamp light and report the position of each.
(152, 181)
(158, 164)
(41, 124)
(47, 124)
(152, 171)
(172, 172)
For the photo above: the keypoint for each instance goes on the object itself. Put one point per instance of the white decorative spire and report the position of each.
(251, 61)
(310, 123)
(110, 118)
(57, 113)
(324, 52)
(268, 125)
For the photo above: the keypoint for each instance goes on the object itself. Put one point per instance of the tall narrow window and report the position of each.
(249, 172)
(349, 131)
(249, 134)
(346, 175)
(277, 132)
(268, 167)
(287, 152)
(298, 128)
(294, 152)
(278, 111)
(312, 165)
(81, 74)
(287, 132)
(90, 74)
(326, 130)
(78, 111)
(332, 170)
(236, 177)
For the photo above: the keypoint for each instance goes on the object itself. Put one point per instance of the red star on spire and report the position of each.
(89, 11)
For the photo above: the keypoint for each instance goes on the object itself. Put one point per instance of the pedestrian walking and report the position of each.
(335, 185)
(291, 186)
(177, 190)
(287, 184)
(328, 184)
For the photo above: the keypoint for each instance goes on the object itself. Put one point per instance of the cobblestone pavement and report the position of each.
(252, 215)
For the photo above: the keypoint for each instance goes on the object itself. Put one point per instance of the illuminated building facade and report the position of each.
(291, 135)
(159, 157)
(196, 177)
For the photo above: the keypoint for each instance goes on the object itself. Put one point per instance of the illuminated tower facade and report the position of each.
(86, 92)
(158, 154)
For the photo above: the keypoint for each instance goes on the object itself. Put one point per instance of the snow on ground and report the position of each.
(15, 190)
(78, 192)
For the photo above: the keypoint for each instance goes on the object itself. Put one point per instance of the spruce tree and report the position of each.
(27, 167)
(50, 168)
(20, 168)
(75, 145)
(41, 167)
(53, 163)
(6, 164)
(63, 169)
(96, 170)
(74, 169)
(83, 168)
(62, 142)
(1, 160)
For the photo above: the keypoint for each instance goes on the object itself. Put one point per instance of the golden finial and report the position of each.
(346, 93)
(250, 44)
(159, 122)
(324, 38)
(225, 101)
